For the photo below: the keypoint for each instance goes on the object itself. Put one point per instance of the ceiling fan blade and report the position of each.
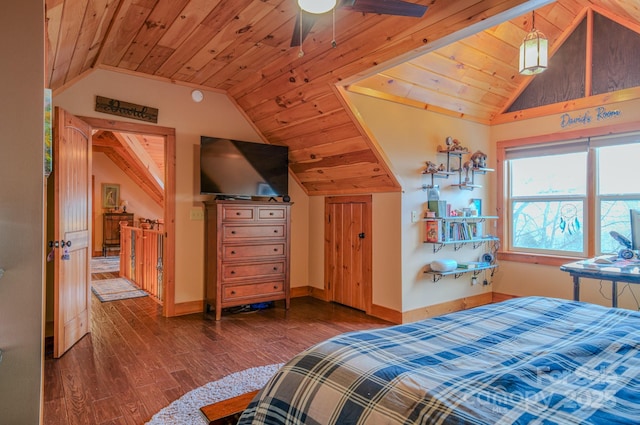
(386, 7)
(308, 20)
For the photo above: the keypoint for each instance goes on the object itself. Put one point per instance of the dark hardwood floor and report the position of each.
(135, 362)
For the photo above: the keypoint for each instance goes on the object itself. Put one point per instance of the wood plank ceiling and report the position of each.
(242, 47)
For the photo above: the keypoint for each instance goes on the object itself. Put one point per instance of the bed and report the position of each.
(525, 360)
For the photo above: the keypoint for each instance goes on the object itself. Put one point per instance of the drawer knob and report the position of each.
(275, 249)
(233, 232)
(275, 269)
(275, 286)
(233, 292)
(270, 213)
(275, 231)
(233, 252)
(233, 272)
(238, 213)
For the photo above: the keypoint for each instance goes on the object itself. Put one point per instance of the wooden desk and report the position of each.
(627, 271)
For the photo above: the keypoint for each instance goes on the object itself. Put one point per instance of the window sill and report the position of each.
(546, 260)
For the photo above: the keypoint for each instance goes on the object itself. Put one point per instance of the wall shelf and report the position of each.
(476, 242)
(459, 272)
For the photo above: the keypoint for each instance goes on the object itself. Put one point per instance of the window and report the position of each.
(564, 198)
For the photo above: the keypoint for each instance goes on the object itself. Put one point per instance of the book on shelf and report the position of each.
(433, 231)
(472, 264)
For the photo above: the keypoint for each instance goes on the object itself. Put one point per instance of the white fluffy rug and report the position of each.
(186, 410)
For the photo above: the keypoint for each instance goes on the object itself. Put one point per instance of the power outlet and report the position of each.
(414, 217)
(196, 214)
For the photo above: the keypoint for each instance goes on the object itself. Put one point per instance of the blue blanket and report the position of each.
(526, 360)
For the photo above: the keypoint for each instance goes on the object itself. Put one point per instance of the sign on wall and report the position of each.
(126, 109)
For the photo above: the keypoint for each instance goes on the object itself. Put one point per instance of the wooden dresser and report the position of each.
(111, 230)
(246, 253)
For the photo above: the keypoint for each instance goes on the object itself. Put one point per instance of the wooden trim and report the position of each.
(188, 307)
(588, 70)
(227, 411)
(499, 297)
(546, 260)
(386, 313)
(168, 305)
(568, 106)
(447, 307)
(300, 291)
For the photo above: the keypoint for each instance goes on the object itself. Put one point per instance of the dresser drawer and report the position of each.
(254, 290)
(242, 252)
(231, 232)
(233, 213)
(272, 213)
(231, 271)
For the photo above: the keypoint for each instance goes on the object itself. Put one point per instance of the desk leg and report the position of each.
(576, 288)
(614, 293)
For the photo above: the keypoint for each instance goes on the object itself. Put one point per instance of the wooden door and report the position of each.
(348, 251)
(72, 228)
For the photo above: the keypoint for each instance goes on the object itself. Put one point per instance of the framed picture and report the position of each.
(110, 195)
(478, 205)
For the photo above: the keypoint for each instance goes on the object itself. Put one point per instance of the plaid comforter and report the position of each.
(526, 360)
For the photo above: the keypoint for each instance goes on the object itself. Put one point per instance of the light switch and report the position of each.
(196, 214)
(414, 217)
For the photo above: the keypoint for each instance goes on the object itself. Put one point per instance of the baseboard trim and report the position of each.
(190, 307)
(379, 311)
(498, 297)
(447, 307)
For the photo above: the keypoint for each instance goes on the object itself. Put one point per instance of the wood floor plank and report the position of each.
(135, 362)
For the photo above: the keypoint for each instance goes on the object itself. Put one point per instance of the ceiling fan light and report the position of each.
(534, 52)
(317, 6)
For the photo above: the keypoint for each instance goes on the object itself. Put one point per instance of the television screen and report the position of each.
(242, 169)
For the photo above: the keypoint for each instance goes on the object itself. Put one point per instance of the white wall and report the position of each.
(530, 279)
(21, 210)
(215, 116)
(139, 202)
(409, 137)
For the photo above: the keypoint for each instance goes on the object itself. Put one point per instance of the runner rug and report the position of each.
(186, 410)
(105, 264)
(115, 289)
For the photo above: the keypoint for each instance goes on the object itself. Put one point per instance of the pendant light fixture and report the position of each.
(533, 51)
(317, 6)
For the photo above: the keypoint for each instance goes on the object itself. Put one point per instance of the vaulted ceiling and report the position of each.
(460, 59)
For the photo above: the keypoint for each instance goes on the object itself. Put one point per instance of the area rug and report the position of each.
(105, 264)
(186, 410)
(115, 289)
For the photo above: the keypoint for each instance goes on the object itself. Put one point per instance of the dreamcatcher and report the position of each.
(569, 219)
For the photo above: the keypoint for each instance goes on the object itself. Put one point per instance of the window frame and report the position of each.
(592, 198)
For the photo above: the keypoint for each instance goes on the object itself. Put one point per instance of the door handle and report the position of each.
(361, 235)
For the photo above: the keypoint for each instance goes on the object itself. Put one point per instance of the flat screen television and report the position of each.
(238, 169)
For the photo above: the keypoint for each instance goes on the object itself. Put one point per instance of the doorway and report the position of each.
(167, 201)
(348, 251)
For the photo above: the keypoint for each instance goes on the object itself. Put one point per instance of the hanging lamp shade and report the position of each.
(317, 6)
(534, 52)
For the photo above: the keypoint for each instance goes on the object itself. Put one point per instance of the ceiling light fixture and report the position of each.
(533, 51)
(317, 6)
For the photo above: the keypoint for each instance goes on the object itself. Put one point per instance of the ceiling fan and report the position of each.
(381, 7)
